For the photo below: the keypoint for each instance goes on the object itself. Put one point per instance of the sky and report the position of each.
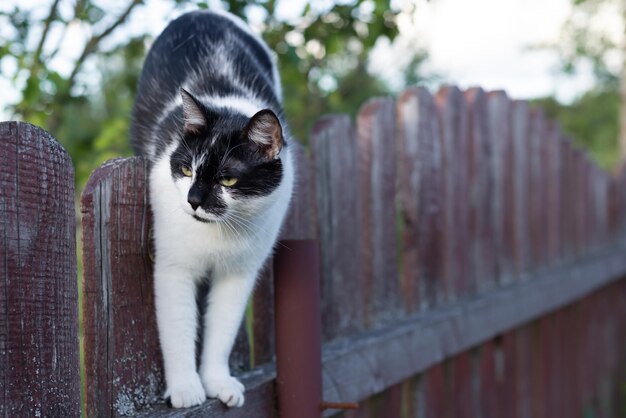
(483, 43)
(489, 43)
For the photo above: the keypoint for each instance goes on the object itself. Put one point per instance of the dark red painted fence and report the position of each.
(38, 293)
(472, 263)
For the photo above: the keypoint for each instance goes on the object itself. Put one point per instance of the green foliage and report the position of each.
(591, 121)
(322, 57)
(583, 40)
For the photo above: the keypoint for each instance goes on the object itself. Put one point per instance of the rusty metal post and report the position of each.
(298, 352)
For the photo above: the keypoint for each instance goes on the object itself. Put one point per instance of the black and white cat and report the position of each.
(208, 118)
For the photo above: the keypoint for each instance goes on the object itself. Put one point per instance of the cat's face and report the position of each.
(225, 166)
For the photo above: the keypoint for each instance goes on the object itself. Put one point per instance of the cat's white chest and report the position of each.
(204, 247)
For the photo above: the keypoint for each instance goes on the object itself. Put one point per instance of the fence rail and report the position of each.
(471, 260)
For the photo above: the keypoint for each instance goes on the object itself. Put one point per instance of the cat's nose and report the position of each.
(194, 199)
(194, 204)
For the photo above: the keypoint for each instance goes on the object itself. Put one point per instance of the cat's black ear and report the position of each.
(265, 131)
(195, 120)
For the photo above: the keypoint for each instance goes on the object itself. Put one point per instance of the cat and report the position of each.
(208, 118)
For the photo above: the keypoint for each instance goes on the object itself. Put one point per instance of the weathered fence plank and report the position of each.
(122, 359)
(567, 230)
(461, 385)
(523, 364)
(39, 360)
(520, 125)
(333, 149)
(486, 376)
(420, 192)
(553, 193)
(454, 139)
(483, 252)
(536, 176)
(443, 332)
(299, 222)
(376, 149)
(499, 112)
(436, 405)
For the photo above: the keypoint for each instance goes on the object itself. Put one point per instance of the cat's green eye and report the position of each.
(186, 171)
(228, 181)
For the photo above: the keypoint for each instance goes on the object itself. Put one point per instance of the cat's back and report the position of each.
(204, 38)
(210, 53)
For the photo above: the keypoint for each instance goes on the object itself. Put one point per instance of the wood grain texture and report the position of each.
(481, 179)
(536, 178)
(299, 222)
(443, 332)
(420, 193)
(263, 331)
(508, 375)
(567, 230)
(524, 361)
(39, 360)
(552, 184)
(452, 115)
(122, 358)
(334, 162)
(499, 116)
(461, 385)
(578, 202)
(376, 148)
(520, 125)
(487, 382)
(435, 388)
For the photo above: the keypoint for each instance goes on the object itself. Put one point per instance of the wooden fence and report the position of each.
(473, 264)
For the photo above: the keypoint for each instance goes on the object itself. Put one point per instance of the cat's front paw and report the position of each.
(225, 388)
(187, 393)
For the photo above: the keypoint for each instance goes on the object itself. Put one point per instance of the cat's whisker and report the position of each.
(246, 224)
(234, 213)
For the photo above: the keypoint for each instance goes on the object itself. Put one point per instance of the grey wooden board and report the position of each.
(358, 367)
(453, 123)
(420, 200)
(376, 149)
(519, 127)
(499, 114)
(482, 244)
(336, 176)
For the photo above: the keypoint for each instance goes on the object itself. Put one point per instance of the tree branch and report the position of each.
(94, 41)
(90, 47)
(44, 35)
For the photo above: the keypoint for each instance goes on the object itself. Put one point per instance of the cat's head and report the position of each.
(226, 164)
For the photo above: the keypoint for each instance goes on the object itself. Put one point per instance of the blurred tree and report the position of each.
(61, 103)
(590, 121)
(323, 56)
(595, 35)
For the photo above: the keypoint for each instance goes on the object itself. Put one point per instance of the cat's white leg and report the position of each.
(176, 309)
(226, 306)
